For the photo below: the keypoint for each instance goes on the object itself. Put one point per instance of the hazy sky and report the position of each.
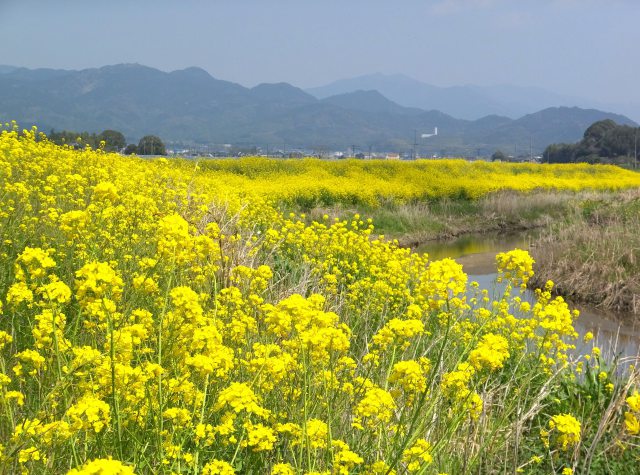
(586, 48)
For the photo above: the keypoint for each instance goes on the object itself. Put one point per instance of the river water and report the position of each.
(615, 334)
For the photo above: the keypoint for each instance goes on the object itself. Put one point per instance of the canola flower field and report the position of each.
(310, 182)
(158, 317)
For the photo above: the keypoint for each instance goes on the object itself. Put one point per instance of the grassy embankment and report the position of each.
(505, 211)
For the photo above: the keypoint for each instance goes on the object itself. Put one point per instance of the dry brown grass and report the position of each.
(596, 258)
(510, 203)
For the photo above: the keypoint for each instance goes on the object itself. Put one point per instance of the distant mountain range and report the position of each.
(466, 102)
(190, 106)
(463, 102)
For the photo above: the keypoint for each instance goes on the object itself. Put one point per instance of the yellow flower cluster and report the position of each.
(102, 467)
(158, 318)
(631, 422)
(515, 266)
(490, 353)
(566, 430)
(418, 455)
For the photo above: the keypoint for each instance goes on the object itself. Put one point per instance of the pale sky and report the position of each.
(585, 48)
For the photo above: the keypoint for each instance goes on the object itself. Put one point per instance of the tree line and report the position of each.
(603, 142)
(114, 141)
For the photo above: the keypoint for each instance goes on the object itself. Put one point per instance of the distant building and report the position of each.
(393, 156)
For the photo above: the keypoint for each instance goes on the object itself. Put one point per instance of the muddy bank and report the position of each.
(471, 233)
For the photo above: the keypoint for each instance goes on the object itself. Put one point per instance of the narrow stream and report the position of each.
(615, 334)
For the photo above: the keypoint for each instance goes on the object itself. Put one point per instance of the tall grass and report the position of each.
(595, 257)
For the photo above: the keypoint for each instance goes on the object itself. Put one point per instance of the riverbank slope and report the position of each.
(595, 257)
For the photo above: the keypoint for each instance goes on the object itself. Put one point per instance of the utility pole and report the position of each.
(635, 147)
(531, 148)
(415, 144)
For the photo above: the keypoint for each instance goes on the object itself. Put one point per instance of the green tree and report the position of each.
(114, 140)
(151, 145)
(593, 141)
(598, 131)
(608, 141)
(499, 156)
(603, 142)
(131, 149)
(560, 153)
(74, 139)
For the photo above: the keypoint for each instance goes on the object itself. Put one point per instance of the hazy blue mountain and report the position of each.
(551, 125)
(283, 93)
(190, 105)
(6, 69)
(491, 122)
(370, 101)
(466, 102)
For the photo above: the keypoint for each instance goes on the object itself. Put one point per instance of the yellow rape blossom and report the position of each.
(418, 455)
(490, 353)
(218, 467)
(102, 467)
(89, 414)
(567, 429)
(239, 397)
(377, 406)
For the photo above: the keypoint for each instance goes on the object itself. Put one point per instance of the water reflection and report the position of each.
(475, 244)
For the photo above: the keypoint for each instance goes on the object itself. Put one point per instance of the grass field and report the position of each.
(168, 317)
